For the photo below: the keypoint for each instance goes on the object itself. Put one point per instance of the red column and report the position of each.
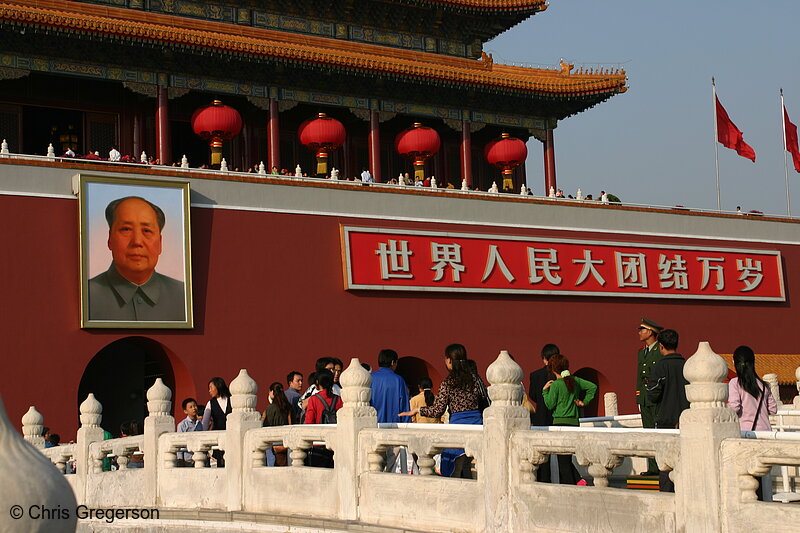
(273, 137)
(466, 154)
(549, 163)
(374, 146)
(137, 134)
(163, 152)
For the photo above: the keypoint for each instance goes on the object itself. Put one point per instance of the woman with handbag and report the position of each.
(461, 394)
(749, 397)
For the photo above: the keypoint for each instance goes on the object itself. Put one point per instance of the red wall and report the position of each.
(269, 297)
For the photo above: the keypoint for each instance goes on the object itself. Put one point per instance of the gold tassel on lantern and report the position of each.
(322, 164)
(419, 169)
(216, 152)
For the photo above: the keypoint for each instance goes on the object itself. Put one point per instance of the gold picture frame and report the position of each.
(135, 253)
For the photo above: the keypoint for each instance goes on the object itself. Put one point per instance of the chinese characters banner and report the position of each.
(381, 259)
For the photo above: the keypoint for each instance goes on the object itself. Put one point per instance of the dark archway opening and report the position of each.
(413, 368)
(119, 376)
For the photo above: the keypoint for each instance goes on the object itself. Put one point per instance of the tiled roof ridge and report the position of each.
(490, 5)
(128, 23)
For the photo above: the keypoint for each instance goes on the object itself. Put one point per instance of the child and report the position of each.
(191, 423)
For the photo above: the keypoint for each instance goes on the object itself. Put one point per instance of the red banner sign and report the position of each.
(381, 259)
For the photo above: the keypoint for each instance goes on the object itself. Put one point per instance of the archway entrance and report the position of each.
(119, 376)
(413, 368)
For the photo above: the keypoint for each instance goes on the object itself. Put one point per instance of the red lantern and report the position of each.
(418, 142)
(215, 123)
(506, 153)
(323, 135)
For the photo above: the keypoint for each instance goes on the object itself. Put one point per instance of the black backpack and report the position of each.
(329, 413)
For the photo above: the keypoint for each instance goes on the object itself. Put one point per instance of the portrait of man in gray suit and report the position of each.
(131, 289)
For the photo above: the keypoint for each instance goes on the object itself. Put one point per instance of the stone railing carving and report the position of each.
(62, 456)
(713, 467)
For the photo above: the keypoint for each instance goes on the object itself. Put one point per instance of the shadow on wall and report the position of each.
(595, 408)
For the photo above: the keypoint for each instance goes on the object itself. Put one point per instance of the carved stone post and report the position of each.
(796, 400)
(32, 426)
(355, 415)
(29, 478)
(610, 404)
(242, 418)
(89, 432)
(159, 420)
(774, 387)
(500, 420)
(703, 427)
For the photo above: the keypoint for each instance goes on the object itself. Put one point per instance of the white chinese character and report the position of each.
(672, 272)
(493, 260)
(546, 265)
(751, 274)
(394, 261)
(631, 271)
(447, 255)
(708, 267)
(588, 268)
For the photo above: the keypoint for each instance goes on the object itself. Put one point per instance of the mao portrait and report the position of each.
(135, 254)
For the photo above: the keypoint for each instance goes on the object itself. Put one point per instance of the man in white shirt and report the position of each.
(366, 177)
(603, 197)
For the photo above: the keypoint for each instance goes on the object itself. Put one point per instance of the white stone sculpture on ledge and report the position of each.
(494, 188)
(464, 186)
(262, 170)
(223, 165)
(298, 172)
(29, 480)
(184, 161)
(51, 152)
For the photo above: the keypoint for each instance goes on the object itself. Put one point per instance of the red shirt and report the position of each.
(315, 407)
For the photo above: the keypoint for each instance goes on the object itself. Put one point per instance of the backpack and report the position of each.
(329, 413)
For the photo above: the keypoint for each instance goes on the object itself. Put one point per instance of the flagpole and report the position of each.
(785, 163)
(716, 139)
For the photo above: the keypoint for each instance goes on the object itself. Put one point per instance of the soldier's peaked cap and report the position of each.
(652, 326)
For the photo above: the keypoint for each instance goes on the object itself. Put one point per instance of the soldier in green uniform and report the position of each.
(647, 357)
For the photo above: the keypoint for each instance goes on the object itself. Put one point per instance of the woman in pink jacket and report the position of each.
(748, 395)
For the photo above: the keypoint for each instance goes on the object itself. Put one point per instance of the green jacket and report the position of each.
(561, 401)
(647, 358)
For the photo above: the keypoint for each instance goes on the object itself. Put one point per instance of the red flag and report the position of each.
(730, 136)
(791, 139)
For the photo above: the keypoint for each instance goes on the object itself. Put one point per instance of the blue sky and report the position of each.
(654, 144)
